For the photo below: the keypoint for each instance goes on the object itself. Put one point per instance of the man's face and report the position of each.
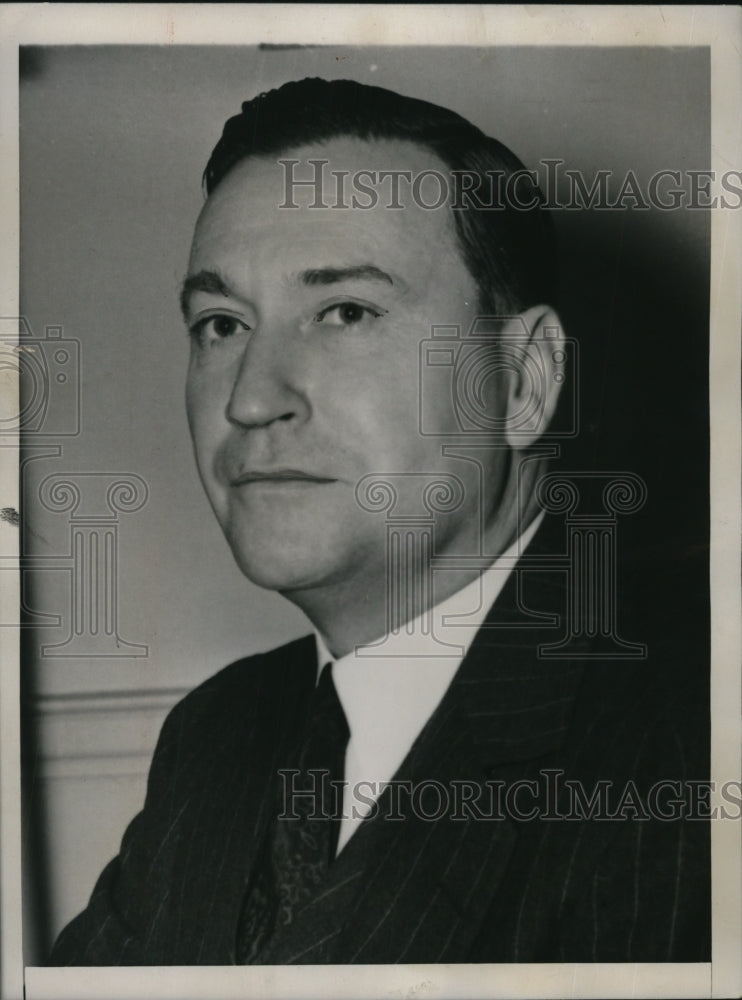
(304, 372)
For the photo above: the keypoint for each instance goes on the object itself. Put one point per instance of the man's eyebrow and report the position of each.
(202, 281)
(212, 282)
(331, 275)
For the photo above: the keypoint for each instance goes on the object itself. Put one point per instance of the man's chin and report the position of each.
(282, 568)
(273, 577)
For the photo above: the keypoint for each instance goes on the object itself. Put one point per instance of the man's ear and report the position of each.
(538, 372)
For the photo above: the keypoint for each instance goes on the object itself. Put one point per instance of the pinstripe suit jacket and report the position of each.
(488, 887)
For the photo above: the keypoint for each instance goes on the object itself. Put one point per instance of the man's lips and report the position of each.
(279, 476)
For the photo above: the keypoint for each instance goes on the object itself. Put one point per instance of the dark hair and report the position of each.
(509, 250)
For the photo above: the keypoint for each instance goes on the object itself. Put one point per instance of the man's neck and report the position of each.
(349, 616)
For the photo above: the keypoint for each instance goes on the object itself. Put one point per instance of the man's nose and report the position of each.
(267, 382)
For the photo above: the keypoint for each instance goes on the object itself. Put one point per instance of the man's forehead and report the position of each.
(342, 178)
(265, 201)
(357, 158)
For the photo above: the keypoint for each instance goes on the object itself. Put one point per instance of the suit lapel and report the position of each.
(228, 798)
(418, 889)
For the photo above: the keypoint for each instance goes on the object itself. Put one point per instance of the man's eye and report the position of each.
(217, 327)
(346, 314)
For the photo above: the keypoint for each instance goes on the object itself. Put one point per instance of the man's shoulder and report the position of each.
(246, 681)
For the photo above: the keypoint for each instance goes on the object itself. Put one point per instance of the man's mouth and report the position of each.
(279, 476)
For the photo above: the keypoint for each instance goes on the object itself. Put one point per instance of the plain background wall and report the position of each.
(113, 143)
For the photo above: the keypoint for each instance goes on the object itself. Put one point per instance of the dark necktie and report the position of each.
(300, 846)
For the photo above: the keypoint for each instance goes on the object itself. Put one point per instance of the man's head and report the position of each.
(509, 251)
(307, 325)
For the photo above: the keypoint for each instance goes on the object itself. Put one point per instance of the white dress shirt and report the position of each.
(389, 689)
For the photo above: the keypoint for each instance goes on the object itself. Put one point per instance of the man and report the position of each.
(345, 228)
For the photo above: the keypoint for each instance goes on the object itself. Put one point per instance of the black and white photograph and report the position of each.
(373, 541)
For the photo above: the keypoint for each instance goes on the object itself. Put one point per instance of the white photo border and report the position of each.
(720, 28)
